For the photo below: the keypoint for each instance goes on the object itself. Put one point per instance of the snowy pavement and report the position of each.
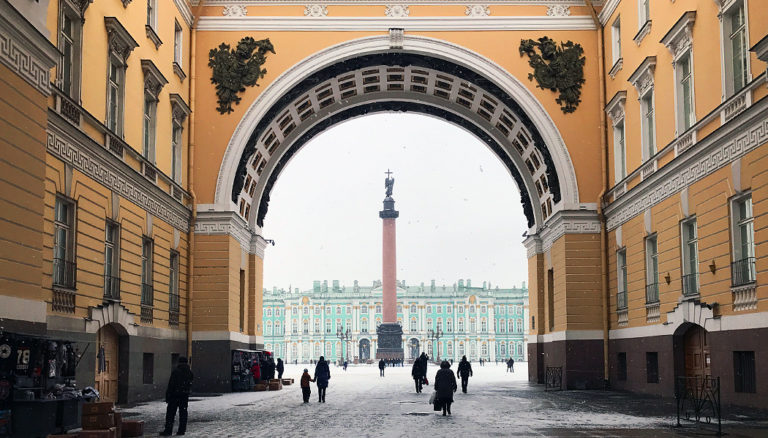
(359, 403)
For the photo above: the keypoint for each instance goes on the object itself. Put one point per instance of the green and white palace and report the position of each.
(340, 322)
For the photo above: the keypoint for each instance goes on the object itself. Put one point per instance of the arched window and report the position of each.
(483, 325)
(378, 322)
(278, 328)
(338, 310)
(317, 326)
(429, 323)
(449, 326)
(429, 348)
(511, 325)
(268, 347)
(294, 327)
(378, 308)
(503, 349)
(294, 351)
(269, 329)
(461, 325)
(317, 350)
(414, 327)
(483, 309)
(461, 349)
(472, 309)
(277, 312)
(306, 327)
(502, 325)
(450, 348)
(399, 309)
(473, 350)
(364, 325)
(305, 350)
(317, 309)
(439, 323)
(306, 310)
(472, 325)
(484, 349)
(413, 308)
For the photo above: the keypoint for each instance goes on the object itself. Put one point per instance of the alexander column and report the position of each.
(390, 344)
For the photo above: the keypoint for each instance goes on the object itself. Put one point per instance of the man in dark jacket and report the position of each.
(280, 368)
(445, 386)
(464, 371)
(177, 396)
(418, 379)
(381, 367)
(322, 375)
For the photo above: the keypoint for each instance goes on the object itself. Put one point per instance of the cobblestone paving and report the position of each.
(362, 404)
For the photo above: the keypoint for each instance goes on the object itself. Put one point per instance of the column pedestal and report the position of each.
(390, 344)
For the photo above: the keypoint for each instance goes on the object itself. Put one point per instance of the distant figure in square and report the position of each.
(511, 365)
(382, 364)
(445, 386)
(306, 390)
(280, 367)
(464, 371)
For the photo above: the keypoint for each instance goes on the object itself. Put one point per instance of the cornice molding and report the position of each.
(609, 7)
(82, 153)
(120, 40)
(185, 11)
(731, 141)
(642, 78)
(179, 109)
(24, 50)
(615, 108)
(532, 245)
(568, 222)
(224, 223)
(352, 24)
(679, 37)
(154, 81)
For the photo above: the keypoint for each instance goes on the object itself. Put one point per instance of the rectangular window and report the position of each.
(147, 266)
(178, 38)
(651, 270)
(643, 12)
(621, 367)
(112, 261)
(115, 95)
(150, 106)
(176, 142)
(744, 371)
(690, 262)
(148, 369)
(152, 13)
(70, 30)
(616, 40)
(242, 300)
(736, 48)
(620, 151)
(648, 125)
(621, 274)
(685, 111)
(743, 266)
(64, 268)
(550, 298)
(652, 367)
(173, 287)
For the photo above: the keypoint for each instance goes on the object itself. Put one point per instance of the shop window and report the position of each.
(652, 367)
(621, 367)
(744, 371)
(148, 369)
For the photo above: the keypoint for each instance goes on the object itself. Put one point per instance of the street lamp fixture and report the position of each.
(344, 337)
(436, 335)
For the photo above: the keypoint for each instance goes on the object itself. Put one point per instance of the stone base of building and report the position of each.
(581, 362)
(390, 342)
(212, 363)
(670, 353)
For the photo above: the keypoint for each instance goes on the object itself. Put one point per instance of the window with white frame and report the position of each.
(686, 116)
(621, 271)
(429, 324)
(115, 91)
(483, 325)
(364, 325)
(450, 348)
(413, 308)
(70, 46)
(648, 125)
(743, 266)
(616, 40)
(378, 308)
(148, 127)
(269, 328)
(152, 13)
(643, 12)
(269, 312)
(620, 151)
(449, 309)
(484, 349)
(112, 260)
(414, 326)
(472, 325)
(278, 328)
(294, 327)
(461, 349)
(736, 47)
(429, 309)
(317, 325)
(690, 253)
(328, 326)
(147, 271)
(449, 325)
(178, 38)
(317, 310)
(305, 327)
(461, 325)
(651, 269)
(64, 243)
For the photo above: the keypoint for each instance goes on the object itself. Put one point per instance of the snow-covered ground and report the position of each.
(359, 403)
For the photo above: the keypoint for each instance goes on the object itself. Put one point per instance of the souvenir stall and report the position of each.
(242, 379)
(37, 386)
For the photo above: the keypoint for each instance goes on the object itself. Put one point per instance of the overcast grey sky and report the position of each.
(460, 212)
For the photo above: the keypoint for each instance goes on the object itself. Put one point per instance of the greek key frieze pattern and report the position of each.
(742, 141)
(81, 160)
(20, 60)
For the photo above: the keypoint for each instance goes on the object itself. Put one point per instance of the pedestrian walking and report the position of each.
(381, 367)
(345, 365)
(464, 371)
(322, 375)
(511, 365)
(177, 397)
(280, 368)
(445, 386)
(306, 390)
(418, 379)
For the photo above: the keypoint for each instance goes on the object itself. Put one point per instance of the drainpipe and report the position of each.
(191, 176)
(600, 198)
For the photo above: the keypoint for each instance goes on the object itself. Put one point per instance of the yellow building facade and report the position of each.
(134, 207)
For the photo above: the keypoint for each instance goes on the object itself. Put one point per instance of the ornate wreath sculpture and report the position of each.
(558, 68)
(234, 69)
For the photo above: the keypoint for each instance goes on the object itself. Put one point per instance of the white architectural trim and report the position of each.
(615, 108)
(412, 44)
(570, 335)
(185, 11)
(704, 318)
(357, 24)
(730, 142)
(568, 222)
(24, 50)
(224, 335)
(224, 223)
(21, 309)
(113, 313)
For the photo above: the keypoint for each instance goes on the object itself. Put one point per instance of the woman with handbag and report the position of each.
(445, 386)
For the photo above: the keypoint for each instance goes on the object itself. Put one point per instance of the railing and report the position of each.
(553, 379)
(111, 287)
(698, 400)
(690, 284)
(652, 293)
(173, 309)
(147, 314)
(743, 272)
(63, 301)
(64, 273)
(621, 299)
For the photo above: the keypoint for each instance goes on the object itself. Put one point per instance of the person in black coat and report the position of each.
(381, 367)
(445, 386)
(464, 371)
(280, 368)
(322, 375)
(177, 397)
(418, 379)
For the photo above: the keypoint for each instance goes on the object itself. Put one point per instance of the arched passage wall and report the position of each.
(438, 78)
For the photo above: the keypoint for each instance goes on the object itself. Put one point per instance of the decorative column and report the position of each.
(389, 332)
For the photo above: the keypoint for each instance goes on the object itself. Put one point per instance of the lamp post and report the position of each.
(344, 337)
(436, 335)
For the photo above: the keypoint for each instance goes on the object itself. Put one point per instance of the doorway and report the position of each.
(365, 349)
(697, 354)
(414, 348)
(107, 363)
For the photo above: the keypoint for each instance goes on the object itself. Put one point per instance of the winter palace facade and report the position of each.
(473, 321)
